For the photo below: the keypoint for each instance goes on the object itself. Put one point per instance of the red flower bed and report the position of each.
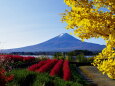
(66, 70)
(36, 66)
(47, 66)
(29, 58)
(16, 58)
(56, 68)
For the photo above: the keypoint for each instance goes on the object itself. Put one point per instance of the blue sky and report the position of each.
(29, 22)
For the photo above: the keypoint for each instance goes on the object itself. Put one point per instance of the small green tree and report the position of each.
(81, 58)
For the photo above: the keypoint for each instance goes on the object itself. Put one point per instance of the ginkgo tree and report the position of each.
(94, 18)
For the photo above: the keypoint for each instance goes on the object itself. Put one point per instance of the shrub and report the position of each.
(81, 58)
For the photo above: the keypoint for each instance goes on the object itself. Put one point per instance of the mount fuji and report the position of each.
(61, 43)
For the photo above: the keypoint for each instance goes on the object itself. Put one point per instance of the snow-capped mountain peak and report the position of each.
(63, 34)
(63, 42)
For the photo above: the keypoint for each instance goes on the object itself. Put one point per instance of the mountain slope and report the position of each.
(63, 42)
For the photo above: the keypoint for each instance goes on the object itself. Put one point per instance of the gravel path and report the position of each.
(97, 77)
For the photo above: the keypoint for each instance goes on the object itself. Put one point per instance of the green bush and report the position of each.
(81, 58)
(90, 59)
(69, 58)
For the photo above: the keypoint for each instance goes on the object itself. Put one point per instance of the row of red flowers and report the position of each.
(66, 70)
(17, 57)
(47, 66)
(36, 66)
(54, 66)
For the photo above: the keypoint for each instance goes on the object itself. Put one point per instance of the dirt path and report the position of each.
(92, 73)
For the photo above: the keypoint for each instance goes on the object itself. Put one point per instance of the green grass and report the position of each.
(77, 77)
(24, 77)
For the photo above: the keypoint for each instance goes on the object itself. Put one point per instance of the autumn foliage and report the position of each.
(94, 18)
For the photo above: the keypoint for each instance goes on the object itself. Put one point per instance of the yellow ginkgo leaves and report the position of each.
(87, 21)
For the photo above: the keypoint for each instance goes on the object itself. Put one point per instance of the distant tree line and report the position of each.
(71, 53)
(84, 52)
(33, 53)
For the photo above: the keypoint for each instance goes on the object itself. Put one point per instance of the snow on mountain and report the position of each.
(62, 42)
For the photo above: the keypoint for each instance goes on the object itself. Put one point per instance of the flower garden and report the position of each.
(38, 72)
